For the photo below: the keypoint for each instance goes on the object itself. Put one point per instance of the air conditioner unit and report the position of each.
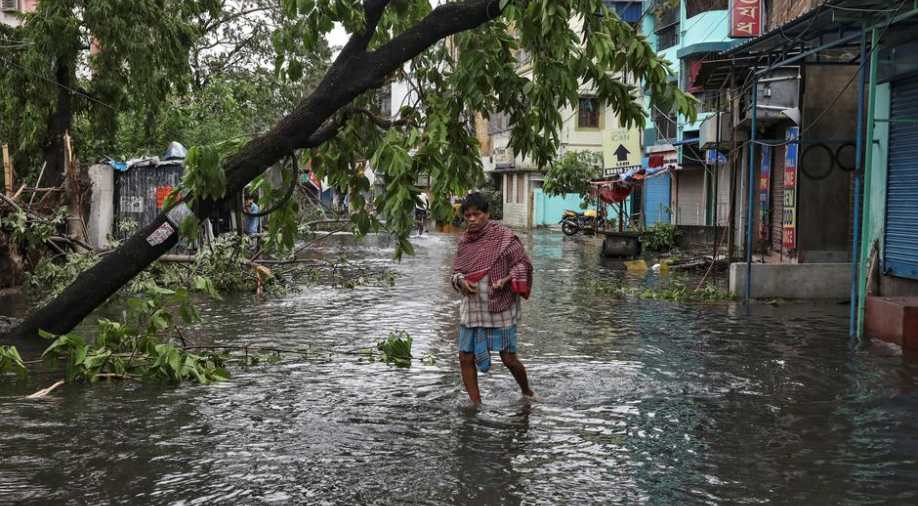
(9, 5)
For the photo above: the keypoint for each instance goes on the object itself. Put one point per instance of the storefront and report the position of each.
(900, 256)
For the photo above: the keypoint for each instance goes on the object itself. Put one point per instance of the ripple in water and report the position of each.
(639, 402)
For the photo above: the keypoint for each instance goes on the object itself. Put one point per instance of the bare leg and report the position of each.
(518, 370)
(470, 376)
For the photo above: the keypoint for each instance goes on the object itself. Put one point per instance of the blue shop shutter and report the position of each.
(656, 200)
(901, 248)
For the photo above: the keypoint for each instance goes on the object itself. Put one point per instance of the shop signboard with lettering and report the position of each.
(745, 18)
(764, 192)
(790, 189)
(621, 150)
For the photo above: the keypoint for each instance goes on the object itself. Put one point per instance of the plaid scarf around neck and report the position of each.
(495, 251)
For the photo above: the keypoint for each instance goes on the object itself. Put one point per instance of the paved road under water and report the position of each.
(641, 402)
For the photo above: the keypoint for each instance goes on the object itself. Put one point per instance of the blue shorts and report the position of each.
(482, 341)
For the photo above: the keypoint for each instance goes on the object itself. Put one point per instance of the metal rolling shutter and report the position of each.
(656, 200)
(901, 247)
(691, 197)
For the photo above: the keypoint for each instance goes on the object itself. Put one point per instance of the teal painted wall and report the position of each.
(711, 26)
(876, 199)
(548, 210)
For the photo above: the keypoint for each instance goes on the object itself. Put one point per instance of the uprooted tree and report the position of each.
(460, 59)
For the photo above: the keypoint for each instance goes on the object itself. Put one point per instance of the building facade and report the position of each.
(10, 10)
(822, 110)
(590, 126)
(692, 191)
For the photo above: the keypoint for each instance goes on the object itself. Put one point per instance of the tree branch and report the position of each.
(330, 129)
(357, 44)
(445, 20)
(354, 72)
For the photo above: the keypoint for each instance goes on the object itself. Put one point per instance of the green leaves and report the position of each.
(572, 173)
(137, 346)
(204, 175)
(11, 361)
(660, 237)
(177, 365)
(396, 349)
(32, 231)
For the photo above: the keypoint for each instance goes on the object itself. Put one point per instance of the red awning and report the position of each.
(615, 195)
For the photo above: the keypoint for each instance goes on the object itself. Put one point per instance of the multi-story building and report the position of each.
(822, 116)
(590, 126)
(10, 10)
(693, 190)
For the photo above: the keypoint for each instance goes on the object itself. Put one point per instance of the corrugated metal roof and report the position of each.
(823, 24)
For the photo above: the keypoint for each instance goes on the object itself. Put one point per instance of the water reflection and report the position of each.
(640, 402)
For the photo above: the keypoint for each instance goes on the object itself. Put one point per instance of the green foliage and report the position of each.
(677, 291)
(204, 176)
(264, 357)
(10, 361)
(573, 173)
(529, 65)
(51, 275)
(139, 345)
(144, 57)
(396, 349)
(495, 200)
(660, 237)
(283, 227)
(33, 232)
(219, 268)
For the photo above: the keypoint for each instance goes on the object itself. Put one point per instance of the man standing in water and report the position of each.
(491, 272)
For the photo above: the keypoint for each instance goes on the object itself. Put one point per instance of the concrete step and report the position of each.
(892, 319)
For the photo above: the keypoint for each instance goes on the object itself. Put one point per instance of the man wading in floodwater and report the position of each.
(491, 271)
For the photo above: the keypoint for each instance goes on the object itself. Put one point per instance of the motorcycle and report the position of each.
(573, 222)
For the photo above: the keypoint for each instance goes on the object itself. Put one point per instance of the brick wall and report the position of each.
(784, 11)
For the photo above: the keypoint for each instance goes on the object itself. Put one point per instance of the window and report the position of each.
(508, 188)
(667, 29)
(668, 37)
(497, 123)
(695, 7)
(9, 5)
(588, 112)
(519, 188)
(665, 125)
(708, 100)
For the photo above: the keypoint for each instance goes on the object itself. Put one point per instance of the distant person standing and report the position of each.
(492, 272)
(420, 212)
(252, 222)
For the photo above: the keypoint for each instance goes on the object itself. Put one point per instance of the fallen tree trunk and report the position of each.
(355, 71)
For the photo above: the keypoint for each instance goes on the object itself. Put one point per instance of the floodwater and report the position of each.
(640, 402)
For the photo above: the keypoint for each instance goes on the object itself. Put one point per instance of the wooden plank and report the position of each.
(7, 170)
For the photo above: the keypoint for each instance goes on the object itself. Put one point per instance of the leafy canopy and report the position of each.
(572, 173)
(108, 55)
(529, 64)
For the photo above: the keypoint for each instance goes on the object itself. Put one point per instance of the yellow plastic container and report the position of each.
(636, 265)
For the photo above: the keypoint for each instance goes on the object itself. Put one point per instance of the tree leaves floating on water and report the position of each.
(396, 349)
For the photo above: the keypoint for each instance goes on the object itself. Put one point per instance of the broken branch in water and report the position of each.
(44, 392)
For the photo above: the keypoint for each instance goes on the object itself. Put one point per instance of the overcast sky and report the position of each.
(337, 37)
